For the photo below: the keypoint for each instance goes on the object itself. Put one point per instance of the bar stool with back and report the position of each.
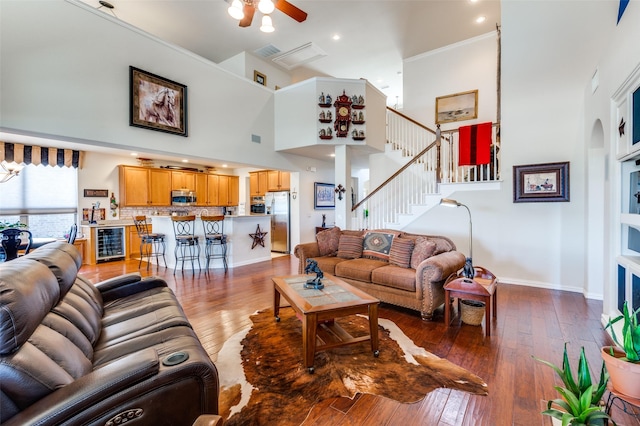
(151, 244)
(215, 239)
(187, 243)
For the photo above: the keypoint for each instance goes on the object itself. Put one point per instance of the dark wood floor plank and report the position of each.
(531, 321)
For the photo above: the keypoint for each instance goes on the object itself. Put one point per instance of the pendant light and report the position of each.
(235, 10)
(266, 6)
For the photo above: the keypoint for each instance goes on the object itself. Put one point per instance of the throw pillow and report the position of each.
(377, 245)
(424, 249)
(400, 254)
(350, 247)
(328, 241)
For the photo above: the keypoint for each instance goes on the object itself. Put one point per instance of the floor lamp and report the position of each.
(468, 270)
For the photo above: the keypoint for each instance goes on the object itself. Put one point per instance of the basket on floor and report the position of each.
(471, 312)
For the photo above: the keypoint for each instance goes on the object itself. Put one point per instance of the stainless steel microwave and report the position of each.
(183, 197)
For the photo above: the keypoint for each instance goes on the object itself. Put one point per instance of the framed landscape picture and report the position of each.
(157, 103)
(457, 107)
(541, 182)
(324, 196)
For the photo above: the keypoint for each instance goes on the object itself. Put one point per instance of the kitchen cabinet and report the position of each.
(277, 180)
(228, 190)
(142, 186)
(258, 183)
(212, 190)
(183, 180)
(201, 189)
(133, 243)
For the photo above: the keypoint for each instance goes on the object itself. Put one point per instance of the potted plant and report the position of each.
(624, 364)
(580, 400)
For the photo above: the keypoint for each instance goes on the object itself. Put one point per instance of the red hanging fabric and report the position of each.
(475, 144)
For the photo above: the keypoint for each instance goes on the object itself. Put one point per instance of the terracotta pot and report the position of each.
(624, 375)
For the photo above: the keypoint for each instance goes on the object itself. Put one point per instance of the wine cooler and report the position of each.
(110, 244)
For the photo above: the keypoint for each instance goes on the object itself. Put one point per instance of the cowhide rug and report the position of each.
(263, 381)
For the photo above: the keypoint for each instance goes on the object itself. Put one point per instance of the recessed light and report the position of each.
(224, 165)
(185, 161)
(134, 154)
(336, 37)
(473, 1)
(481, 19)
(332, 155)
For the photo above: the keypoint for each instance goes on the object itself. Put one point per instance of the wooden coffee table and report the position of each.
(318, 308)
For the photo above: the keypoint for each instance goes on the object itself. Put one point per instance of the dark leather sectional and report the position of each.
(73, 352)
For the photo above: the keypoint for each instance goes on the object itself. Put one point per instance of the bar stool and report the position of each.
(215, 238)
(151, 244)
(187, 243)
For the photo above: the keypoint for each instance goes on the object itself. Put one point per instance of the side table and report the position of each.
(483, 287)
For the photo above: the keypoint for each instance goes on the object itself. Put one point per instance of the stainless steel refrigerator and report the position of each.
(277, 206)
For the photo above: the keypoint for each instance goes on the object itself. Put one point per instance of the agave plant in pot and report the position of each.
(580, 402)
(624, 364)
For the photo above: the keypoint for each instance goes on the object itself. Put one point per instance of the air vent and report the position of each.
(300, 55)
(266, 51)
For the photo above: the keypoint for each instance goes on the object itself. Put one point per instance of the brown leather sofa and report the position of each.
(72, 352)
(410, 271)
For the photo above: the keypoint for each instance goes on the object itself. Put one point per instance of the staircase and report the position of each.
(430, 172)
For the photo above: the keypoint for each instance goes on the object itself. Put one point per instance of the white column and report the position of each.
(343, 177)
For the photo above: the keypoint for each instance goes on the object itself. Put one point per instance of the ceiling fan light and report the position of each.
(266, 6)
(235, 10)
(267, 25)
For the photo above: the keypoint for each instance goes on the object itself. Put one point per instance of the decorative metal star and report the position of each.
(258, 237)
(621, 126)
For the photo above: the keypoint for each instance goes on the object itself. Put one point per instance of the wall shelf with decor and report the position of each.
(626, 137)
(324, 105)
(326, 137)
(358, 122)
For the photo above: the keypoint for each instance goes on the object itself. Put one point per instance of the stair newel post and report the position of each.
(438, 157)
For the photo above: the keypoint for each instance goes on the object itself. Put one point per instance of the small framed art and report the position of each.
(324, 196)
(541, 182)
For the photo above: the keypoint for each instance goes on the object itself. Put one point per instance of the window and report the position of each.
(43, 197)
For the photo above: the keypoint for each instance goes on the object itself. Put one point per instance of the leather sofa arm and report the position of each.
(305, 251)
(431, 275)
(126, 285)
(64, 403)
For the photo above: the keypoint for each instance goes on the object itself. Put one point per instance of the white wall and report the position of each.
(619, 58)
(464, 66)
(549, 52)
(65, 72)
(244, 64)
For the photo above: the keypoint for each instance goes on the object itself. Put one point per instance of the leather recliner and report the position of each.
(72, 352)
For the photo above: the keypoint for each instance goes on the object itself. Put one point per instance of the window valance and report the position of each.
(47, 156)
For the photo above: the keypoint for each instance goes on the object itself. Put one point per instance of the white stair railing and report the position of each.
(433, 158)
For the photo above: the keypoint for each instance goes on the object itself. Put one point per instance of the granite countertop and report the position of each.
(105, 223)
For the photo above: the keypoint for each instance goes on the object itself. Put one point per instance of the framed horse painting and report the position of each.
(157, 103)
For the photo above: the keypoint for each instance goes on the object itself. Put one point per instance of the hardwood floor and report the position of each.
(530, 321)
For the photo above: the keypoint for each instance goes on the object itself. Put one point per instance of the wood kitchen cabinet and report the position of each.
(228, 190)
(201, 189)
(258, 183)
(132, 242)
(143, 186)
(277, 180)
(212, 190)
(183, 180)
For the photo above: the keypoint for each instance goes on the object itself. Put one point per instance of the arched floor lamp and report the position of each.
(468, 271)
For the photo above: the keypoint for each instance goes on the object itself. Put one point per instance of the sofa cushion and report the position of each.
(442, 245)
(423, 249)
(328, 241)
(358, 269)
(401, 250)
(327, 264)
(377, 245)
(395, 277)
(350, 247)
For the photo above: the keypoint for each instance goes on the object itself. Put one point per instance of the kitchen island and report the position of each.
(241, 249)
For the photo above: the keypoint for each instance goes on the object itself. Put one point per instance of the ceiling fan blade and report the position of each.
(287, 8)
(249, 11)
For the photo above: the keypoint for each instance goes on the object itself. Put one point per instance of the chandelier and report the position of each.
(9, 170)
(236, 10)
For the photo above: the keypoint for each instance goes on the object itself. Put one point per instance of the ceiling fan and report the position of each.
(248, 9)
